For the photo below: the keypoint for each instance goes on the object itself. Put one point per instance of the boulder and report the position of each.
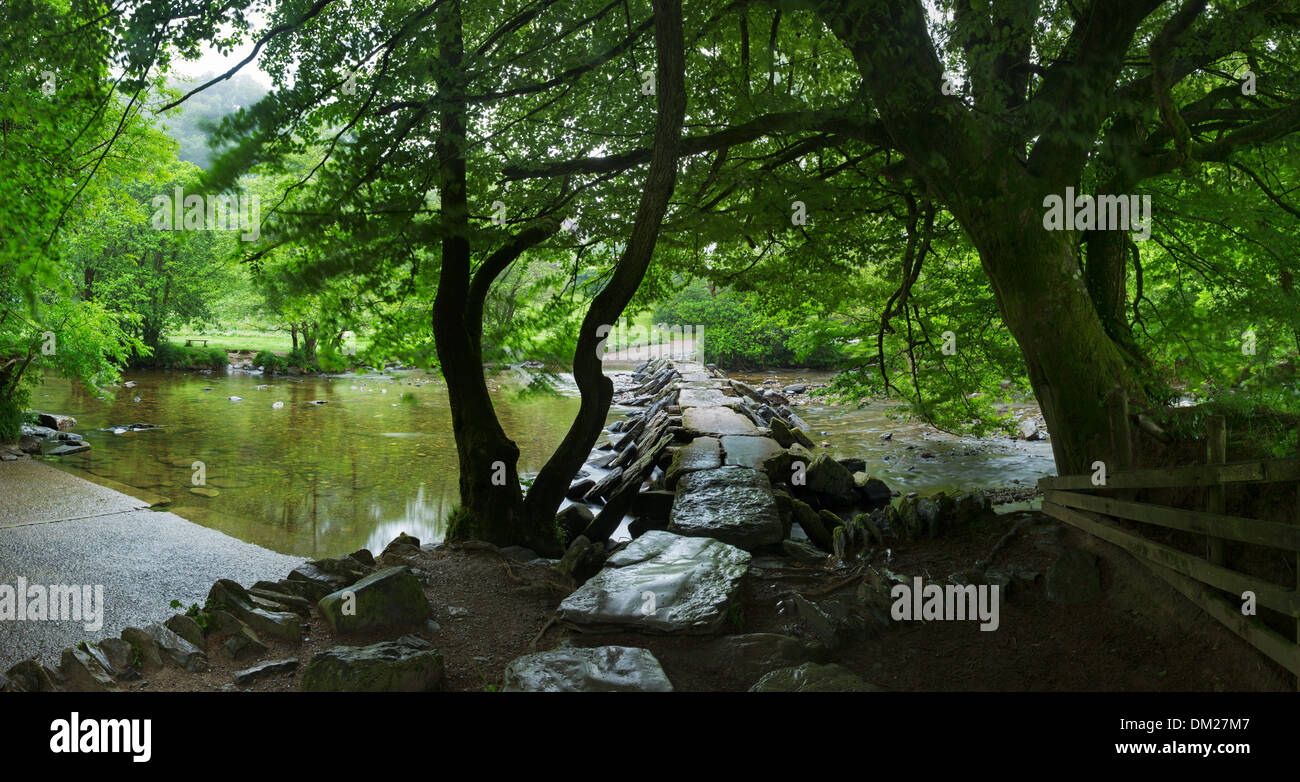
(184, 654)
(786, 435)
(811, 523)
(812, 677)
(186, 628)
(829, 482)
(873, 491)
(582, 560)
(232, 597)
(63, 423)
(146, 654)
(83, 673)
(595, 669)
(388, 599)
(691, 582)
(30, 676)
(573, 520)
(390, 666)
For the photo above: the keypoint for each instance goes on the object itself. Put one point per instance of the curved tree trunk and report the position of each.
(597, 390)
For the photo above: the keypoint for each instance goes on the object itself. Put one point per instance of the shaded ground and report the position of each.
(1139, 638)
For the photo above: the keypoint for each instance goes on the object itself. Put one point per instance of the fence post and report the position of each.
(1216, 452)
(1121, 437)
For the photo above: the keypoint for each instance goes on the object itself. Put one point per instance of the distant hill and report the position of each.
(200, 113)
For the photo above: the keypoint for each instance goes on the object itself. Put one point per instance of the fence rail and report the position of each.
(1077, 500)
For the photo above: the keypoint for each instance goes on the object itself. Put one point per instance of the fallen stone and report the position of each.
(390, 598)
(390, 666)
(595, 669)
(812, 677)
(265, 670)
(692, 582)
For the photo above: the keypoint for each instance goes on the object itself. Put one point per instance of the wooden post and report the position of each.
(1121, 435)
(1216, 452)
(1121, 438)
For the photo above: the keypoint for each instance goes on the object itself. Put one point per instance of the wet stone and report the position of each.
(595, 669)
(733, 504)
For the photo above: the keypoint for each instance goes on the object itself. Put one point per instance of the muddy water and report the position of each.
(378, 459)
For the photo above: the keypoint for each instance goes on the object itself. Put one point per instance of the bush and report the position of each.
(738, 334)
(170, 355)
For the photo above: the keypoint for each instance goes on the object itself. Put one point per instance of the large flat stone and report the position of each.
(595, 669)
(717, 420)
(732, 504)
(750, 451)
(702, 397)
(702, 453)
(690, 582)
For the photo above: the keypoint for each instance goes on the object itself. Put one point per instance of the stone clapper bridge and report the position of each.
(716, 446)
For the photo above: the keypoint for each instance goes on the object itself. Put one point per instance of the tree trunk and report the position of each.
(597, 390)
(491, 500)
(1071, 360)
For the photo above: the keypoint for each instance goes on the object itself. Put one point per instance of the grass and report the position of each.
(253, 339)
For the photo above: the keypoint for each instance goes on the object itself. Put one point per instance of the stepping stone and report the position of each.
(717, 420)
(702, 397)
(702, 453)
(750, 451)
(811, 677)
(732, 504)
(596, 669)
(691, 583)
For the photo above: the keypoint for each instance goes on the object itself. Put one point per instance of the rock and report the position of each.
(29, 444)
(269, 596)
(582, 560)
(30, 676)
(811, 677)
(118, 654)
(363, 556)
(317, 581)
(786, 436)
(731, 504)
(693, 582)
(853, 464)
(873, 491)
(797, 388)
(750, 452)
(573, 520)
(811, 523)
(186, 628)
(1073, 579)
(829, 481)
(391, 666)
(518, 553)
(803, 552)
(184, 654)
(595, 669)
(274, 668)
(579, 489)
(63, 423)
(65, 449)
(717, 421)
(390, 598)
(234, 598)
(751, 655)
(653, 504)
(146, 654)
(1028, 429)
(83, 673)
(702, 453)
(204, 491)
(243, 644)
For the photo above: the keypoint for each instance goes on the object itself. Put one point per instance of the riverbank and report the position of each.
(58, 529)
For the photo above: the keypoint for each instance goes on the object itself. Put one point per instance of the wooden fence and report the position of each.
(1085, 502)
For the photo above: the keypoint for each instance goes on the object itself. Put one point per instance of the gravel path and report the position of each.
(58, 529)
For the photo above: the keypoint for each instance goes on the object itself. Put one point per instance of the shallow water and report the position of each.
(378, 458)
(307, 480)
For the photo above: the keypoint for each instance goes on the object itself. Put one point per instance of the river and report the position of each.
(377, 458)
